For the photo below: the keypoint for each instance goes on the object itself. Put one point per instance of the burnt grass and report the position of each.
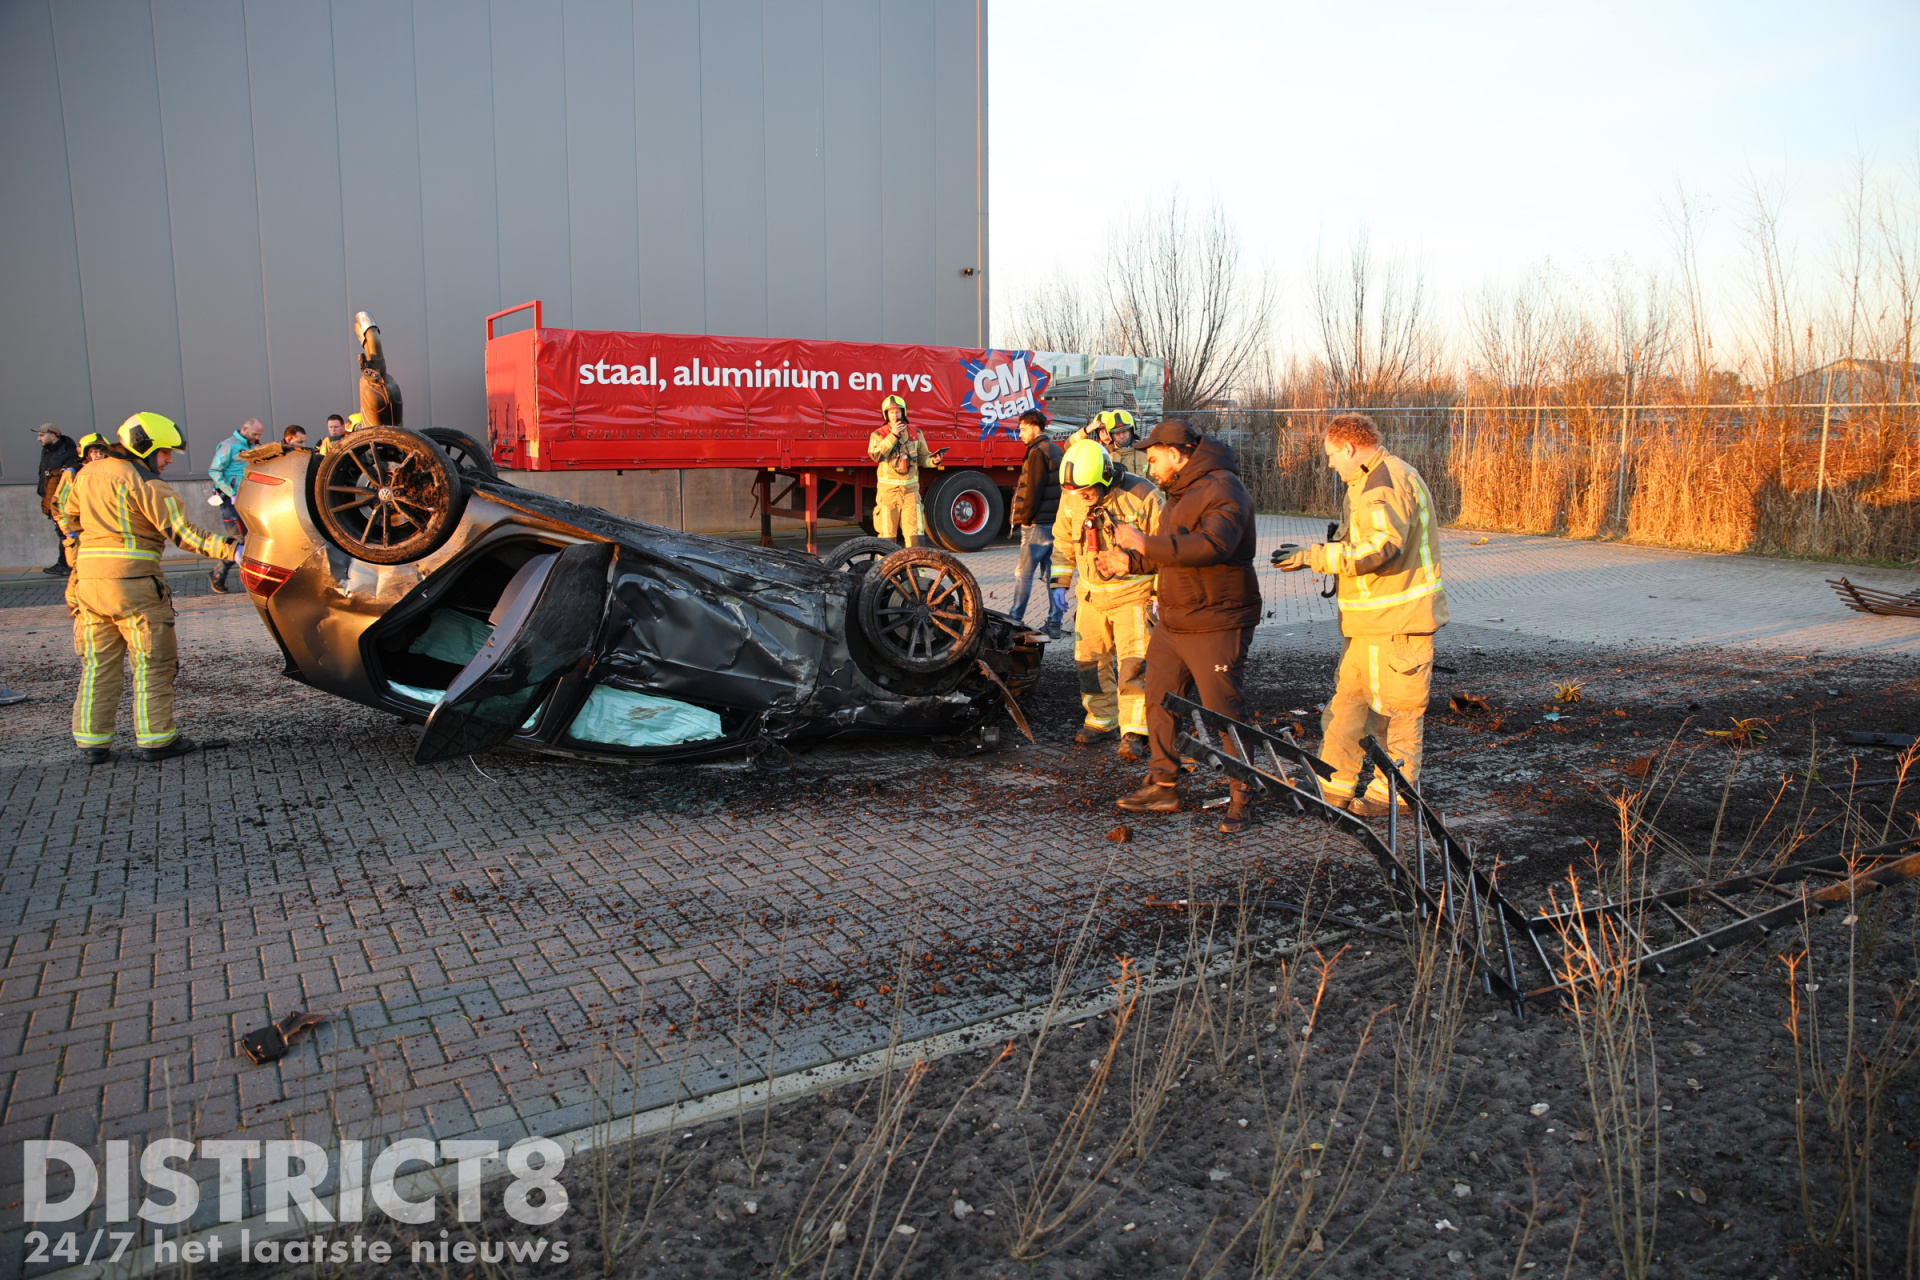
(1501, 1191)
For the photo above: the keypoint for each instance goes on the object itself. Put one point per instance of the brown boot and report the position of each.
(1133, 746)
(1089, 735)
(1155, 797)
(1235, 819)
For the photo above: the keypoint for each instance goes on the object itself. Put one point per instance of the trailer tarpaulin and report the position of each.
(737, 400)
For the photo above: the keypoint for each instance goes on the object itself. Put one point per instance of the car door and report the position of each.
(544, 625)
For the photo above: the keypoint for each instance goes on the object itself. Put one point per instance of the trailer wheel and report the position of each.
(965, 511)
(468, 458)
(921, 610)
(387, 495)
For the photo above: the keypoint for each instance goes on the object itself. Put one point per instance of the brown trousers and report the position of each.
(1382, 689)
(1215, 664)
(130, 620)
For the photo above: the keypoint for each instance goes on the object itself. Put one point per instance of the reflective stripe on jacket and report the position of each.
(125, 513)
(1078, 536)
(1388, 563)
(899, 460)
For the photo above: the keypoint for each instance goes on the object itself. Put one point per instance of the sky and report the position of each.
(1474, 140)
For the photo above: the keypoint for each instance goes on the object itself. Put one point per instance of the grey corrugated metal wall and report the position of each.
(196, 195)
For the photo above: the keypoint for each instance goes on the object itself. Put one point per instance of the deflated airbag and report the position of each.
(621, 717)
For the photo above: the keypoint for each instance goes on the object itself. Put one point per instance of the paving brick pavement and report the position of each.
(485, 935)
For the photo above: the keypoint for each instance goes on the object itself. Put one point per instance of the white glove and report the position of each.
(213, 499)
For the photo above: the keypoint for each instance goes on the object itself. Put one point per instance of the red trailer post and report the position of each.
(797, 412)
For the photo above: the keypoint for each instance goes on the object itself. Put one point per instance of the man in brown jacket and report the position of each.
(1387, 561)
(120, 512)
(1202, 548)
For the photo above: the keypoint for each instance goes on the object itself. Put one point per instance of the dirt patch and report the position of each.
(1252, 1120)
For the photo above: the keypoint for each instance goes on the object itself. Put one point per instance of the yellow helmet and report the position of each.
(89, 440)
(145, 432)
(894, 402)
(1115, 420)
(1087, 462)
(355, 422)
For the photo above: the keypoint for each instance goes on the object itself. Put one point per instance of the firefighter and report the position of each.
(379, 393)
(898, 452)
(119, 511)
(92, 445)
(1387, 561)
(1120, 427)
(1111, 627)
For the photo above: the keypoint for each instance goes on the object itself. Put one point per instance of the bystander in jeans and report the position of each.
(1036, 503)
(226, 472)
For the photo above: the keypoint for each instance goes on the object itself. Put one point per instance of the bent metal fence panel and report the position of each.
(1518, 954)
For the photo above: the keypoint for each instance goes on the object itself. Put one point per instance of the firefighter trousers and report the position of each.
(130, 620)
(1110, 653)
(897, 512)
(1382, 689)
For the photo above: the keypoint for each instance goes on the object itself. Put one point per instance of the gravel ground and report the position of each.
(1511, 1182)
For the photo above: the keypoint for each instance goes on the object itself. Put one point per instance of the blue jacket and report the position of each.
(228, 466)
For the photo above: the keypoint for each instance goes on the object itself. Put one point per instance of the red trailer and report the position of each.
(799, 413)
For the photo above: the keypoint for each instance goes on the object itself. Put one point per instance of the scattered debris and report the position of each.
(1855, 738)
(271, 1042)
(1469, 704)
(960, 1210)
(1744, 732)
(1873, 600)
(1120, 835)
(1570, 691)
(1539, 1109)
(1641, 766)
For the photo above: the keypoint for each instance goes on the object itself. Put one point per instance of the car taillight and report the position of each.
(262, 579)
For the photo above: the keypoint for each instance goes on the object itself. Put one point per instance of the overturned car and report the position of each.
(398, 570)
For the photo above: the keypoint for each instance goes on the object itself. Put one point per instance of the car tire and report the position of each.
(921, 610)
(857, 555)
(387, 495)
(965, 511)
(468, 456)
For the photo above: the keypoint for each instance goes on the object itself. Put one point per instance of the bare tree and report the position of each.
(1775, 342)
(1060, 314)
(1683, 218)
(1373, 327)
(1513, 334)
(1178, 291)
(1642, 324)
(1897, 223)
